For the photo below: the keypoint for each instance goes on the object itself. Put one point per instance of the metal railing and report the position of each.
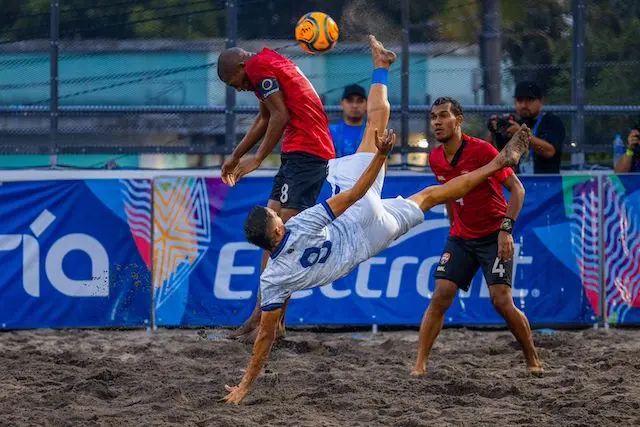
(221, 135)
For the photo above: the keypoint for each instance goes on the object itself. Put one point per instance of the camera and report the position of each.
(502, 122)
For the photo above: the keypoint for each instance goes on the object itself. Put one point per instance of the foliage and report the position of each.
(536, 34)
(115, 19)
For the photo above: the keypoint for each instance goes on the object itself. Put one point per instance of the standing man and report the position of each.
(347, 133)
(289, 105)
(548, 130)
(480, 235)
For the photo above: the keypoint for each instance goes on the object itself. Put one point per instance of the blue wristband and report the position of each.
(380, 76)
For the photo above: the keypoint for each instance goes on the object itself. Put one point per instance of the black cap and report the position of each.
(354, 90)
(528, 89)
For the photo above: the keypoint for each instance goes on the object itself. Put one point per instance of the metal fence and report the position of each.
(139, 76)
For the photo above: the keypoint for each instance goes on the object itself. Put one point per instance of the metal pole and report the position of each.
(476, 84)
(405, 84)
(427, 116)
(230, 98)
(153, 255)
(54, 10)
(602, 271)
(578, 95)
(491, 51)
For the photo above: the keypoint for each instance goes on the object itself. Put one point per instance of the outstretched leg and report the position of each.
(461, 185)
(378, 108)
(502, 300)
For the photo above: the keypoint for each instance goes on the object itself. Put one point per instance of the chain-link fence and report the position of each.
(139, 76)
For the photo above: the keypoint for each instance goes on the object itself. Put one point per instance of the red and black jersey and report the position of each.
(480, 212)
(308, 128)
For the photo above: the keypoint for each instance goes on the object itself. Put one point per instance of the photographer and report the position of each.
(630, 160)
(548, 130)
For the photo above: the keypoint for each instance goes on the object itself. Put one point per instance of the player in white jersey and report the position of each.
(325, 242)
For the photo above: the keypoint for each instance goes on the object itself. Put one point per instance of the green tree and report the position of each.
(534, 35)
(613, 39)
(115, 19)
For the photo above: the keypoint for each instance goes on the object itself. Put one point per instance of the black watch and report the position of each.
(507, 225)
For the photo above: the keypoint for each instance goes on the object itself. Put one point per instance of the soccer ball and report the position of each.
(317, 32)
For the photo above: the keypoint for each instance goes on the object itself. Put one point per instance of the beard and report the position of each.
(355, 117)
(527, 114)
(444, 138)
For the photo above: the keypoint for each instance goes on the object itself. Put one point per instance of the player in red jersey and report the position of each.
(480, 235)
(289, 105)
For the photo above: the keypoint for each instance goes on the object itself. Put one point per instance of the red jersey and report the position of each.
(480, 212)
(308, 127)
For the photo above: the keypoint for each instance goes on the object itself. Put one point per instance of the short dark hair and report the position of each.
(228, 61)
(456, 108)
(529, 90)
(256, 228)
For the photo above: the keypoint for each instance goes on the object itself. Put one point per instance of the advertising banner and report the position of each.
(621, 215)
(207, 274)
(75, 253)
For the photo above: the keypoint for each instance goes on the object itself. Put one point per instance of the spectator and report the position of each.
(548, 130)
(630, 160)
(347, 133)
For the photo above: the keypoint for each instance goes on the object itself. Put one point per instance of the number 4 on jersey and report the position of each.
(461, 201)
(498, 268)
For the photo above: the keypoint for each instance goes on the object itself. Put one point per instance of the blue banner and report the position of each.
(75, 253)
(621, 194)
(205, 273)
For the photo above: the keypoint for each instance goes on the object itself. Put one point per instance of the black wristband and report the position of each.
(507, 225)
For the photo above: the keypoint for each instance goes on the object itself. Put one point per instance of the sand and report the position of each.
(176, 377)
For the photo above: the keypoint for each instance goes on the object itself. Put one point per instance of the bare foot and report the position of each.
(535, 370)
(382, 58)
(420, 370)
(242, 330)
(248, 337)
(418, 373)
(249, 325)
(517, 146)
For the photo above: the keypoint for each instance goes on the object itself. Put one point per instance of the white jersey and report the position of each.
(319, 248)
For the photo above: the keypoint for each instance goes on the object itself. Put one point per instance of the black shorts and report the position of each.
(461, 258)
(299, 180)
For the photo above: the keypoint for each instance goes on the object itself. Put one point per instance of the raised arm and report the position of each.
(278, 118)
(251, 138)
(255, 133)
(342, 201)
